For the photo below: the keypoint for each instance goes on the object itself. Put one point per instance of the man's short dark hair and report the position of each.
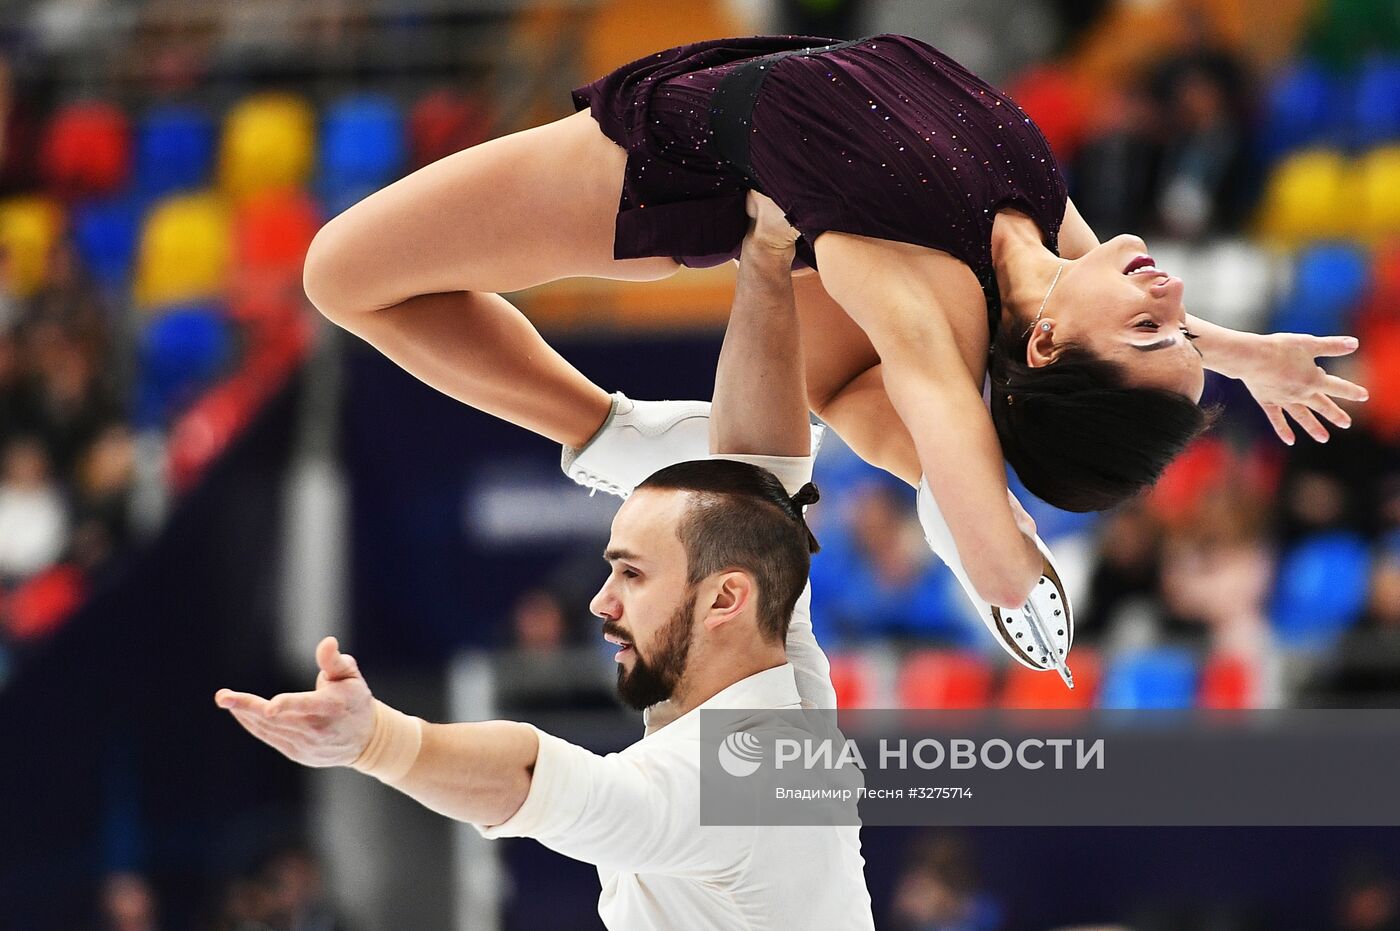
(741, 517)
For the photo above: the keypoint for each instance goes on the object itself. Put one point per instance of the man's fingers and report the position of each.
(1279, 422)
(1335, 346)
(243, 701)
(292, 704)
(335, 664)
(1341, 388)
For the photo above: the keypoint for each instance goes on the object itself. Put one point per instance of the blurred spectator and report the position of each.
(1216, 570)
(1337, 485)
(1368, 900)
(1363, 669)
(1201, 112)
(128, 904)
(1126, 570)
(545, 671)
(1115, 170)
(294, 896)
(833, 19)
(876, 577)
(103, 485)
(1204, 157)
(538, 622)
(940, 889)
(33, 517)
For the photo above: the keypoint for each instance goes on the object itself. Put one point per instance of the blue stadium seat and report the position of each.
(174, 150)
(105, 234)
(1299, 110)
(182, 351)
(1329, 281)
(1165, 677)
(1320, 589)
(362, 147)
(1377, 103)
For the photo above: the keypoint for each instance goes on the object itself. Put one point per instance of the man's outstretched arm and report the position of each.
(760, 399)
(509, 779)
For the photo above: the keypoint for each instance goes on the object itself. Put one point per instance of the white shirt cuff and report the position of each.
(792, 471)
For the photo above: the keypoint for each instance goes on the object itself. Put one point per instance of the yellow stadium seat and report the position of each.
(28, 227)
(184, 251)
(269, 141)
(1378, 180)
(1310, 195)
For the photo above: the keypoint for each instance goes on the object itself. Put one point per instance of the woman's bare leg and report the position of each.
(414, 269)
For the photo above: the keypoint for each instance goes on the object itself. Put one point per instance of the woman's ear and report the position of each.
(1041, 350)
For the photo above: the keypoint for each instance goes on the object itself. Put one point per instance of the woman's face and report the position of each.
(1116, 303)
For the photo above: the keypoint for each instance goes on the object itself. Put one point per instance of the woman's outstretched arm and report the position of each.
(1279, 369)
(898, 295)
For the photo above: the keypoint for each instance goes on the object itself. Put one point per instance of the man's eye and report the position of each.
(630, 573)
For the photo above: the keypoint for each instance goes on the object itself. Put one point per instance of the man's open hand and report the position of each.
(327, 727)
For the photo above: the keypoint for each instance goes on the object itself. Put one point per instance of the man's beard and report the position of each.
(655, 681)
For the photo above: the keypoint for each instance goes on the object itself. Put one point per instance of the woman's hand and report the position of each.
(1280, 371)
(770, 228)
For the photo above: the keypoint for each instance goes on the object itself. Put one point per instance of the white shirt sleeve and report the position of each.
(637, 811)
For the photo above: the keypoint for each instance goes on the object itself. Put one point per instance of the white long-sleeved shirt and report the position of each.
(636, 814)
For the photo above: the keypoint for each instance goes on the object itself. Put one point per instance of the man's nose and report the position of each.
(604, 605)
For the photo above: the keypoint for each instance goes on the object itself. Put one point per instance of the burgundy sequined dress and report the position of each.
(884, 137)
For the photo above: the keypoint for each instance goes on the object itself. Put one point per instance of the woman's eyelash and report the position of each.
(1189, 335)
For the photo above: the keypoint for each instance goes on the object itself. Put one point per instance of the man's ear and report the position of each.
(1042, 348)
(734, 591)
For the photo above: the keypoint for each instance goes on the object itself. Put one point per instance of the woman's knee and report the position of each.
(328, 273)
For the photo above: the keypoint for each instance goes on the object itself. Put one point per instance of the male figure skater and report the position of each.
(708, 561)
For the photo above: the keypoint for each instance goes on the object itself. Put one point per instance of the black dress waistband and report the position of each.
(731, 107)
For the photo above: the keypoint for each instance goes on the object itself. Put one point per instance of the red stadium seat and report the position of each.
(939, 679)
(853, 680)
(1054, 100)
(1030, 689)
(1228, 682)
(41, 604)
(1204, 465)
(87, 149)
(1380, 364)
(273, 229)
(444, 122)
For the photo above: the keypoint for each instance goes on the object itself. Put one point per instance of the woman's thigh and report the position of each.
(514, 212)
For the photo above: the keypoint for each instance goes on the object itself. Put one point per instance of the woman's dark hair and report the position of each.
(1076, 431)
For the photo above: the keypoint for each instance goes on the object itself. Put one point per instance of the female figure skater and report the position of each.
(947, 250)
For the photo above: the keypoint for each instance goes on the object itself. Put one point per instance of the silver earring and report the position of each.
(1045, 327)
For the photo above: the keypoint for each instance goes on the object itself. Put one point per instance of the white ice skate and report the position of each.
(1040, 632)
(642, 437)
